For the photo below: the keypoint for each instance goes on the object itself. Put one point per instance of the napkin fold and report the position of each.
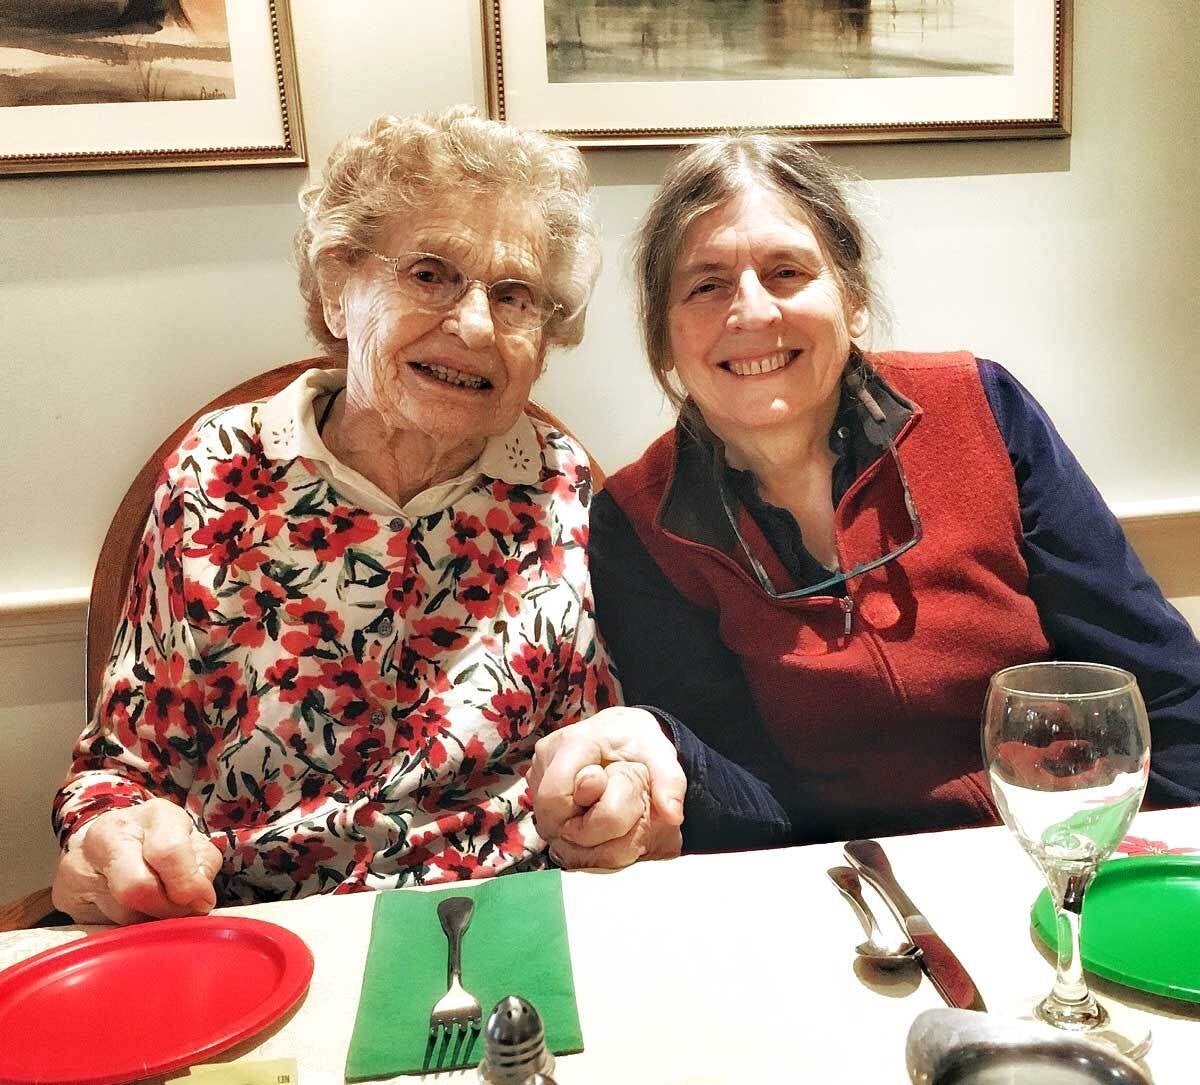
(516, 945)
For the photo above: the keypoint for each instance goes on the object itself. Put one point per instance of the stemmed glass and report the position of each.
(1067, 749)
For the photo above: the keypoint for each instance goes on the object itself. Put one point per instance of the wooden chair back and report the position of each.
(114, 566)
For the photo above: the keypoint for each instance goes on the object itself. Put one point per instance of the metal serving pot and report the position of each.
(962, 1047)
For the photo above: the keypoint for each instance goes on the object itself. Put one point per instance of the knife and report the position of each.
(939, 963)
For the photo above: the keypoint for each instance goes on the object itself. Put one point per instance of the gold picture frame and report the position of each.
(541, 58)
(258, 123)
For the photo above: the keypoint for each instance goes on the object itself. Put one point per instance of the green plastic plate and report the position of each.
(1141, 924)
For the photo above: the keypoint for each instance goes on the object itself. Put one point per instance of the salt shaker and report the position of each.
(515, 1046)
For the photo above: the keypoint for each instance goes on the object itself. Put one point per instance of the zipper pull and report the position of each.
(848, 608)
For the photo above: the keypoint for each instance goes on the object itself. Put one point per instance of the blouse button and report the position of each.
(396, 523)
(386, 627)
(378, 716)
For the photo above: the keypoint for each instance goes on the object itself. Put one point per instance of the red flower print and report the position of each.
(403, 592)
(471, 777)
(512, 713)
(200, 604)
(1139, 845)
(353, 689)
(284, 676)
(230, 700)
(260, 606)
(257, 683)
(397, 544)
(543, 552)
(537, 666)
(300, 858)
(248, 480)
(435, 636)
(116, 710)
(500, 583)
(226, 541)
(330, 535)
(599, 688)
(173, 706)
(456, 866)
(170, 520)
(420, 724)
(140, 586)
(320, 627)
(253, 805)
(359, 755)
(464, 541)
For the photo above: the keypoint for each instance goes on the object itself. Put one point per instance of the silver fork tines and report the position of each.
(456, 1016)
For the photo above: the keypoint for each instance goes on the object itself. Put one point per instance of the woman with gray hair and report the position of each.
(359, 603)
(813, 576)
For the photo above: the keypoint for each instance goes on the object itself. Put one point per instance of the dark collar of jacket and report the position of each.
(691, 507)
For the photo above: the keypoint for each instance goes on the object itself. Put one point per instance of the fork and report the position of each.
(457, 1008)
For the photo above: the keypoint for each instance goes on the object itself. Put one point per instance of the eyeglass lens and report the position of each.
(436, 283)
(839, 578)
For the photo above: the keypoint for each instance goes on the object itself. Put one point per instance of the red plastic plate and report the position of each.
(146, 999)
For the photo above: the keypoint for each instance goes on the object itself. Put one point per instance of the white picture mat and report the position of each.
(251, 119)
(530, 99)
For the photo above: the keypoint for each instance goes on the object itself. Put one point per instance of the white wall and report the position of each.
(127, 299)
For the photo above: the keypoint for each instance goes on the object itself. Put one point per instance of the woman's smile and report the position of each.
(760, 366)
(452, 378)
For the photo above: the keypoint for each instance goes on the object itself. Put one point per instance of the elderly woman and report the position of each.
(359, 603)
(812, 577)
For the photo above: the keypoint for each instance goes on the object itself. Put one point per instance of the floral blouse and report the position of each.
(342, 698)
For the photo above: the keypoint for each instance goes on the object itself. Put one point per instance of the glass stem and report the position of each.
(1069, 984)
(1070, 1005)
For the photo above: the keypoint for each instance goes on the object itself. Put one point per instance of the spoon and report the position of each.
(874, 948)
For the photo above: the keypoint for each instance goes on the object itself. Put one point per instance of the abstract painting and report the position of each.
(597, 41)
(56, 52)
(622, 72)
(134, 84)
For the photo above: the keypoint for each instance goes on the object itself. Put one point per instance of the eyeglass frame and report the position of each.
(394, 263)
(764, 580)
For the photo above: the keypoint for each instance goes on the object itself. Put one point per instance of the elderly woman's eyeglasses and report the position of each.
(434, 283)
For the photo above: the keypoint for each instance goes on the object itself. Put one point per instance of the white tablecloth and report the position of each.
(740, 967)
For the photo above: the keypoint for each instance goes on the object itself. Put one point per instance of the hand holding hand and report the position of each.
(608, 790)
(137, 863)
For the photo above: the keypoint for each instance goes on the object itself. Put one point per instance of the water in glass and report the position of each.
(1067, 747)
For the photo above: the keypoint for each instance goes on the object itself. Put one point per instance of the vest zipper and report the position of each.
(847, 605)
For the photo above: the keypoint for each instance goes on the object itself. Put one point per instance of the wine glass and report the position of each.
(1067, 749)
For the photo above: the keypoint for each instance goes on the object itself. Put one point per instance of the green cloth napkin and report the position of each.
(516, 945)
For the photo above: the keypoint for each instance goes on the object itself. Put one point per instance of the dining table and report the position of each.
(736, 967)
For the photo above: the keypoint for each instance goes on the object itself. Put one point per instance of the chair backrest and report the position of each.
(114, 566)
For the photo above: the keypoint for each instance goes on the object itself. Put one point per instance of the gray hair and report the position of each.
(402, 164)
(711, 174)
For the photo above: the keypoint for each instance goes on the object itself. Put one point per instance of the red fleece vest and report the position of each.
(881, 725)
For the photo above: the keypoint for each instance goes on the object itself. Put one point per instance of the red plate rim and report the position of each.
(296, 975)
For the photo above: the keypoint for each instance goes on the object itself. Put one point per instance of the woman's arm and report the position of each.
(140, 854)
(1095, 599)
(670, 658)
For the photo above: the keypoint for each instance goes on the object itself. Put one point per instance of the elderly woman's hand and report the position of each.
(608, 790)
(143, 862)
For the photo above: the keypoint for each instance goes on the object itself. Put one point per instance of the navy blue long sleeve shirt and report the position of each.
(1094, 598)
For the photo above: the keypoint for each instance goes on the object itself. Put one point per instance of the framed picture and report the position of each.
(142, 84)
(647, 72)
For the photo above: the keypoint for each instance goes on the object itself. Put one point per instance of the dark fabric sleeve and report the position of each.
(1095, 599)
(670, 659)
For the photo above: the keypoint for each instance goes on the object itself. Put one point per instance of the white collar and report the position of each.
(288, 425)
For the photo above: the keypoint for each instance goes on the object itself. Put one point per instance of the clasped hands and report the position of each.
(608, 791)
